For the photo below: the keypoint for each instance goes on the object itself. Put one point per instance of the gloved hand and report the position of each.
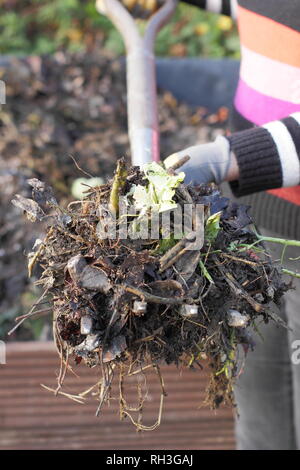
(208, 163)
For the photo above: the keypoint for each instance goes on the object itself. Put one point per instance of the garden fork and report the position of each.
(141, 76)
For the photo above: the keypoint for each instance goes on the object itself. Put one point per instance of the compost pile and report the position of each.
(62, 106)
(129, 303)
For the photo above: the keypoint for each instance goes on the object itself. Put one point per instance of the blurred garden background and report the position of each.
(46, 26)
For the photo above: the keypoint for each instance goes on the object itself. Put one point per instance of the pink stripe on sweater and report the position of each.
(259, 108)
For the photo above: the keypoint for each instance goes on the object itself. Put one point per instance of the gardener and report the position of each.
(262, 165)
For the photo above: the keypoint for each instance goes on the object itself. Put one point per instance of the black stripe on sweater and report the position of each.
(225, 9)
(294, 129)
(258, 160)
(286, 12)
(197, 3)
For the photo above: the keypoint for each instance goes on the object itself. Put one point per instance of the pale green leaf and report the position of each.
(212, 227)
(205, 272)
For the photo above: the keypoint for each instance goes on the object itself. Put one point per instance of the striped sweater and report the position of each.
(266, 115)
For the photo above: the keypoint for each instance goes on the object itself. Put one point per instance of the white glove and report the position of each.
(208, 163)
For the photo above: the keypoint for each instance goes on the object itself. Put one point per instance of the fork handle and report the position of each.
(141, 77)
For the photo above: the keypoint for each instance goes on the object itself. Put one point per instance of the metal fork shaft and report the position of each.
(141, 77)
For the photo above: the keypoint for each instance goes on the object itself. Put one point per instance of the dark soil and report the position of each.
(124, 305)
(61, 106)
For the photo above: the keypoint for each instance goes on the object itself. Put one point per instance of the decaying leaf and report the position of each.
(114, 349)
(95, 279)
(42, 193)
(158, 194)
(30, 207)
(88, 277)
(167, 288)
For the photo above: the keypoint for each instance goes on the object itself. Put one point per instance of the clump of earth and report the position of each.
(126, 299)
(61, 109)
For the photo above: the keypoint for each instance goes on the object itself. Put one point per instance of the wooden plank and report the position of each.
(32, 418)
